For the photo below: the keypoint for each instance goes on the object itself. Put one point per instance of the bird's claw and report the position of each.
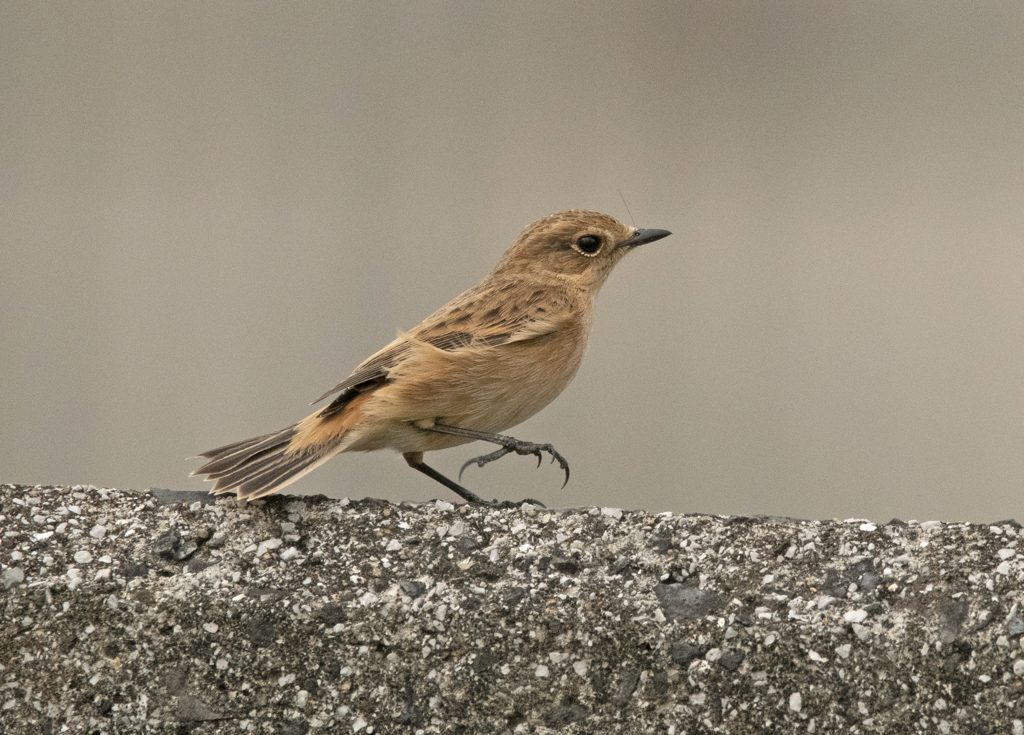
(484, 459)
(523, 448)
(514, 504)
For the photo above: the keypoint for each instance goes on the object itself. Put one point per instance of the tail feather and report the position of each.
(230, 456)
(283, 472)
(262, 465)
(254, 468)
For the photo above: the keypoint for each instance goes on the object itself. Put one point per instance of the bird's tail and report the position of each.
(264, 464)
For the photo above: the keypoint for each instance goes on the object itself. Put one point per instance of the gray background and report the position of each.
(211, 212)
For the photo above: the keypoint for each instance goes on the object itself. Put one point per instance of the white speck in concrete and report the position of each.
(856, 616)
(13, 575)
(269, 544)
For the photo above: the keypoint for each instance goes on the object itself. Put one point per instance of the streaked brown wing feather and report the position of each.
(487, 327)
(374, 369)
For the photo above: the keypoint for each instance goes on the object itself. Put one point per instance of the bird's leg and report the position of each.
(415, 460)
(508, 445)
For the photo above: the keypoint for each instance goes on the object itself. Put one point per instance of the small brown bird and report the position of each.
(487, 360)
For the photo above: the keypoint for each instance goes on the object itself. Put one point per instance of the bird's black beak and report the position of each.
(641, 237)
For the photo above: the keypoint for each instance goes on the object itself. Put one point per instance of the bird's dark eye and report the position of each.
(589, 244)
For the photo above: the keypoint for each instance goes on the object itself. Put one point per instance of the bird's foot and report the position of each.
(514, 504)
(510, 444)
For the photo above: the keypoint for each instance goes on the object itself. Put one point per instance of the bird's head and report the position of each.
(578, 245)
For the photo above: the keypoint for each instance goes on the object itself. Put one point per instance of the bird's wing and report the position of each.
(484, 326)
(372, 370)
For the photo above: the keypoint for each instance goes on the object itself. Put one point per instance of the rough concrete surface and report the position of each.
(158, 611)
